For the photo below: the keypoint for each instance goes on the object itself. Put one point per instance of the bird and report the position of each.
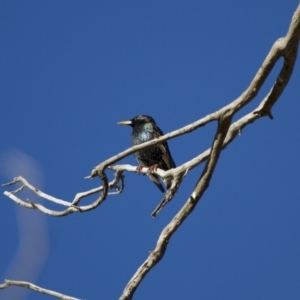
(144, 129)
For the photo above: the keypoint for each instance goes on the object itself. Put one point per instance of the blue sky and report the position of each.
(70, 70)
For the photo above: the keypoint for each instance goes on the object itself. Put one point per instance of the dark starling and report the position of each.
(158, 156)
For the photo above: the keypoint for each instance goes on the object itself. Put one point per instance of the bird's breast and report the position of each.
(140, 137)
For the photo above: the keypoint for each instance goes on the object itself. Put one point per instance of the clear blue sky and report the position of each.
(70, 70)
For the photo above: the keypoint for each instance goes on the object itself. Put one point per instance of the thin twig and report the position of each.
(7, 283)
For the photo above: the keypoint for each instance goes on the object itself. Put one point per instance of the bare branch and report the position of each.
(177, 179)
(7, 283)
(286, 48)
(156, 255)
(72, 206)
(36, 191)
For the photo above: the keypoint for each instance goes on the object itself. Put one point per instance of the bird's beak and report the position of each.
(125, 123)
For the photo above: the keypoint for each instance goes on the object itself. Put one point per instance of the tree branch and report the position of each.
(72, 206)
(7, 283)
(286, 48)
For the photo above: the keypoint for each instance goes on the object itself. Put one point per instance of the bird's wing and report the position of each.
(166, 155)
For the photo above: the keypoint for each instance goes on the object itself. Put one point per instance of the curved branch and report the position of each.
(72, 206)
(286, 47)
(7, 283)
(156, 255)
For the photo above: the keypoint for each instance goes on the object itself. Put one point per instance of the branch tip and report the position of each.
(10, 183)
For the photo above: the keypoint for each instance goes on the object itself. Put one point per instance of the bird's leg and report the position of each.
(154, 167)
(139, 168)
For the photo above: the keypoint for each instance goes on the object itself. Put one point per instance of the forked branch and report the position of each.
(286, 48)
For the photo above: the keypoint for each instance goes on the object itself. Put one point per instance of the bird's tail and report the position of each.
(155, 179)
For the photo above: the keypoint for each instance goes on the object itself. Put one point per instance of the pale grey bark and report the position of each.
(36, 288)
(286, 48)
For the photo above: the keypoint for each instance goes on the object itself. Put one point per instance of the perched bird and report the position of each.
(157, 156)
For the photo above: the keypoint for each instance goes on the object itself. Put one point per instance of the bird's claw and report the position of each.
(153, 168)
(150, 169)
(139, 168)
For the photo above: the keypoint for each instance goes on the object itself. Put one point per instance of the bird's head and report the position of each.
(138, 121)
